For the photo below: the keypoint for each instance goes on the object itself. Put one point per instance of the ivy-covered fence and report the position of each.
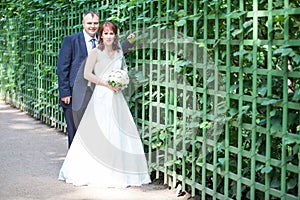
(215, 85)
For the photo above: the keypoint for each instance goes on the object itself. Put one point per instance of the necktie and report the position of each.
(93, 43)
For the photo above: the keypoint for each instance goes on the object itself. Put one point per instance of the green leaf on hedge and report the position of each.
(273, 113)
(296, 95)
(276, 127)
(291, 139)
(266, 170)
(240, 53)
(221, 161)
(291, 184)
(236, 32)
(248, 23)
(296, 59)
(180, 23)
(275, 182)
(270, 102)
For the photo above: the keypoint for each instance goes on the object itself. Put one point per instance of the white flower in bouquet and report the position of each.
(118, 77)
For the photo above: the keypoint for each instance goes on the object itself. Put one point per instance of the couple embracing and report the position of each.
(106, 149)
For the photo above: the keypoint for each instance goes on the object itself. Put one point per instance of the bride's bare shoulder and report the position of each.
(99, 51)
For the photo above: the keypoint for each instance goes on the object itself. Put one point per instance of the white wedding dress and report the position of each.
(106, 149)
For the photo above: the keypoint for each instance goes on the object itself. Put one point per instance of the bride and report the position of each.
(107, 149)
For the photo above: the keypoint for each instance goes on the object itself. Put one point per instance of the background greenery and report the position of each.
(253, 151)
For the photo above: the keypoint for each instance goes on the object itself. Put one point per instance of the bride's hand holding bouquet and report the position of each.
(117, 80)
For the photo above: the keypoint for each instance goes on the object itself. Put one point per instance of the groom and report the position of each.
(71, 59)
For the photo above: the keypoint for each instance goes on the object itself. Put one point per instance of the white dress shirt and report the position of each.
(88, 41)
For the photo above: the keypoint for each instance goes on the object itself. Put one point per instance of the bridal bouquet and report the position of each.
(118, 77)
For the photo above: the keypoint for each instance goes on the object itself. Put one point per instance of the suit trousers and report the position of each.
(71, 129)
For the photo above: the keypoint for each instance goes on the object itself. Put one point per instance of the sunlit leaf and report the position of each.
(221, 160)
(266, 170)
(270, 102)
(273, 113)
(291, 139)
(233, 88)
(236, 32)
(248, 24)
(240, 53)
(283, 51)
(180, 23)
(263, 91)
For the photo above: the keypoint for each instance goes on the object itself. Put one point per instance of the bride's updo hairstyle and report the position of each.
(111, 26)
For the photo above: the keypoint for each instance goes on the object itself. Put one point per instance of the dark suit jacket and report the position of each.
(72, 53)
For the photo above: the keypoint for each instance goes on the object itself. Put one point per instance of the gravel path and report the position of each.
(31, 155)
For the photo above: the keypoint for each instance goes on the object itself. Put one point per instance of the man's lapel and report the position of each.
(82, 45)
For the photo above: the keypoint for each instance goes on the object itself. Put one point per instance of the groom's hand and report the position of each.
(131, 38)
(66, 100)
